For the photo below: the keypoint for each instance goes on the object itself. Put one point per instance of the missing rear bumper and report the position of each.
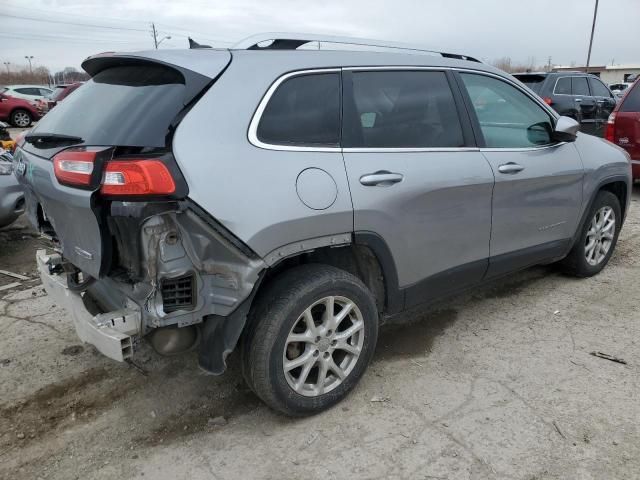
(112, 333)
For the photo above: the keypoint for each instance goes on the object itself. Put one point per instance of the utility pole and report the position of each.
(593, 28)
(29, 57)
(154, 33)
(549, 64)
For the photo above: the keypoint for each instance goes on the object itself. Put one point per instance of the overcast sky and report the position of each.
(70, 30)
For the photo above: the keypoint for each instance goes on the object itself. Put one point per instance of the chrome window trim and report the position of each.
(408, 149)
(522, 149)
(255, 121)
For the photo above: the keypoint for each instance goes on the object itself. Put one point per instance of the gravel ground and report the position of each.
(497, 384)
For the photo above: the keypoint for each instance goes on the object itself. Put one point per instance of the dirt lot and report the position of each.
(496, 384)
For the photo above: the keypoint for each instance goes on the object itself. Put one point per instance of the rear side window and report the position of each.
(303, 111)
(579, 86)
(598, 88)
(28, 91)
(631, 102)
(131, 105)
(563, 86)
(400, 109)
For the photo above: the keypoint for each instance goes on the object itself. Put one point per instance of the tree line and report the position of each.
(40, 76)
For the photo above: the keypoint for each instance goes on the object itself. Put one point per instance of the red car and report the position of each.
(18, 112)
(623, 127)
(59, 93)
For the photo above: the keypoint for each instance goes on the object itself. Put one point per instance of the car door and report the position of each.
(4, 107)
(605, 103)
(585, 103)
(538, 188)
(417, 180)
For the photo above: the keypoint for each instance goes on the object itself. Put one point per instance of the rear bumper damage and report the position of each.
(113, 333)
(174, 267)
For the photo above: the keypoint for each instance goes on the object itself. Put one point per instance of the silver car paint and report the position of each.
(10, 195)
(227, 172)
(436, 218)
(538, 205)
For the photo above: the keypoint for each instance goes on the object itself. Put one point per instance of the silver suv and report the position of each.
(286, 200)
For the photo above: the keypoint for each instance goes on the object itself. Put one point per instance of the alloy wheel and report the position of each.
(323, 346)
(600, 235)
(21, 119)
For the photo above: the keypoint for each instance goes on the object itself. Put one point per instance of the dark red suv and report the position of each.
(623, 127)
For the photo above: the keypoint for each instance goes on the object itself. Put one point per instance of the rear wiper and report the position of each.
(51, 138)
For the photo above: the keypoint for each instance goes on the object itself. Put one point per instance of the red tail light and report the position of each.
(79, 167)
(548, 101)
(137, 177)
(610, 132)
(74, 167)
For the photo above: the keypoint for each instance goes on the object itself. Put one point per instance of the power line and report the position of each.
(21, 17)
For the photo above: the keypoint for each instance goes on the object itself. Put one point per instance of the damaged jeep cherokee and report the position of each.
(285, 200)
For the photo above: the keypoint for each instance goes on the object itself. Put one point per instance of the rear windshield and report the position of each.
(131, 105)
(534, 82)
(631, 102)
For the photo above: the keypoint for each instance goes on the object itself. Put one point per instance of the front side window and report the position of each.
(508, 118)
(400, 109)
(303, 111)
(579, 86)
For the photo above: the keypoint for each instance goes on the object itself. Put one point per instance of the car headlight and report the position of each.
(6, 168)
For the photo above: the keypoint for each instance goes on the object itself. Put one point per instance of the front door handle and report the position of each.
(381, 178)
(510, 168)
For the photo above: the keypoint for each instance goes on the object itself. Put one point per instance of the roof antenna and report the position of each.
(194, 44)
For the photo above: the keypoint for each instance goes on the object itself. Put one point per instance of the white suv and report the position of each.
(27, 92)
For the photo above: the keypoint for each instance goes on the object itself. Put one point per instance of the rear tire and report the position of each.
(20, 118)
(299, 358)
(598, 238)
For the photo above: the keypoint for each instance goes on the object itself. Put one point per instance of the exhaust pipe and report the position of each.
(169, 341)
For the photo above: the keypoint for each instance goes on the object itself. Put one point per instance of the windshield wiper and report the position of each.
(39, 139)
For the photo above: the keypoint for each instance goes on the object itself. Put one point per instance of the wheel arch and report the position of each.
(618, 185)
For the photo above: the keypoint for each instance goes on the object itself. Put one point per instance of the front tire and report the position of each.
(311, 336)
(598, 237)
(20, 118)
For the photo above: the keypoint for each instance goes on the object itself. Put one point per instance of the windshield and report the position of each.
(534, 82)
(129, 105)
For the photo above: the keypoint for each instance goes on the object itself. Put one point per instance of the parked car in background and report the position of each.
(618, 89)
(60, 93)
(18, 112)
(11, 195)
(577, 95)
(287, 201)
(27, 92)
(623, 127)
(6, 142)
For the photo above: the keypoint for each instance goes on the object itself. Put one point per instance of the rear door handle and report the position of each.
(382, 178)
(510, 168)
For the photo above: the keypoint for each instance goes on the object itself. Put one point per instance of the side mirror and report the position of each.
(566, 130)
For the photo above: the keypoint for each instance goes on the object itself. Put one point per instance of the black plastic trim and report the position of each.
(443, 284)
(527, 257)
(394, 301)
(585, 213)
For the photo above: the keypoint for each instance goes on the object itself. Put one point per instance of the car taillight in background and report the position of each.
(79, 167)
(610, 131)
(548, 101)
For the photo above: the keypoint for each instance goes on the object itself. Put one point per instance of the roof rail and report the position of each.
(291, 41)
